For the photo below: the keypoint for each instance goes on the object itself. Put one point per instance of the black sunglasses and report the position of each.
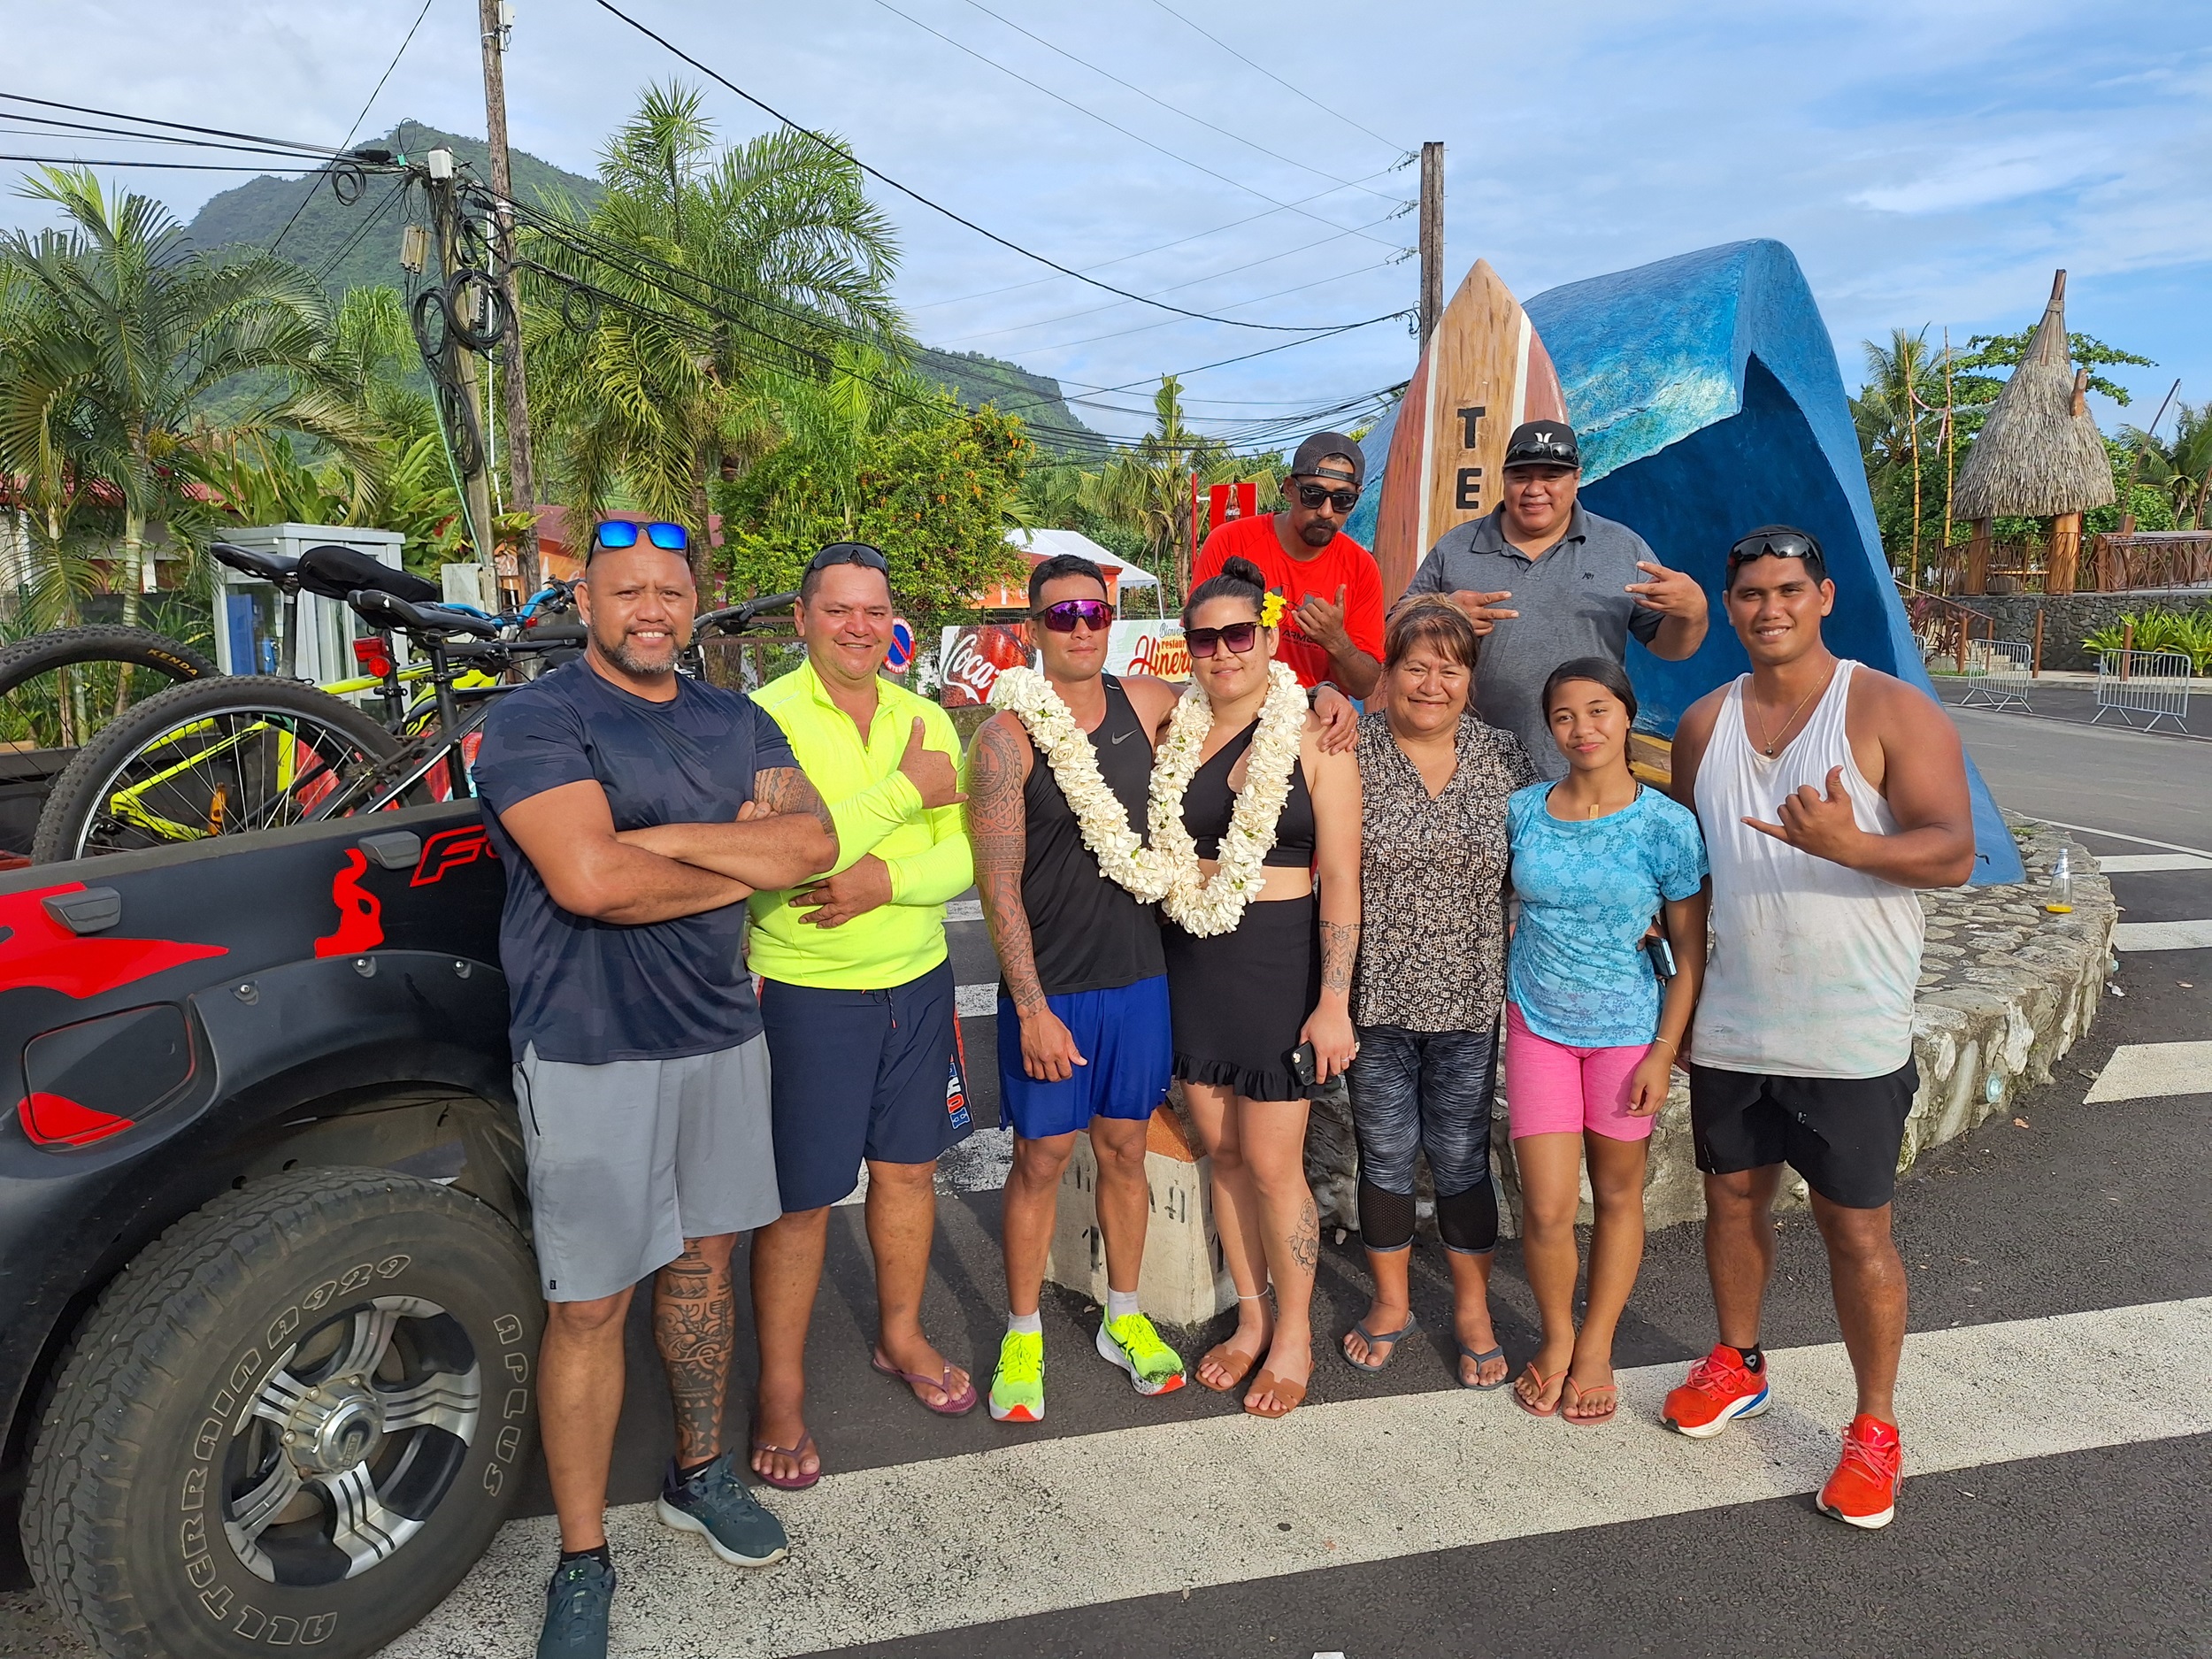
(1238, 636)
(1781, 544)
(1314, 495)
(1094, 614)
(850, 553)
(616, 533)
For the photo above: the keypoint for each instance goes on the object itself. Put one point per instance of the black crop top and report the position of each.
(1208, 801)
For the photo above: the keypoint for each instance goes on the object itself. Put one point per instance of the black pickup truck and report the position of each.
(268, 1317)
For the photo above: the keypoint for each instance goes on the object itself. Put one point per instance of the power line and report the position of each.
(398, 189)
(107, 161)
(1171, 108)
(1287, 85)
(1141, 328)
(1198, 166)
(883, 178)
(358, 120)
(112, 134)
(180, 127)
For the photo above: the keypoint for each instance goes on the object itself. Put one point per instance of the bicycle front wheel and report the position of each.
(220, 756)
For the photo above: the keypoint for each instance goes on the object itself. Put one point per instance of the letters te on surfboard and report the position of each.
(1483, 373)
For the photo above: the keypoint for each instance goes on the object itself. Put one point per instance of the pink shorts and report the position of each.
(1551, 1089)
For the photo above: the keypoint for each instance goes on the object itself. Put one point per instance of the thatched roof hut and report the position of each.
(2039, 454)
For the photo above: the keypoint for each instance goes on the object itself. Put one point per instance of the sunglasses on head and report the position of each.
(850, 553)
(620, 533)
(1314, 495)
(1238, 636)
(1094, 614)
(1781, 544)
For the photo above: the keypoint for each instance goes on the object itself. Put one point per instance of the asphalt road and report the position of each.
(2061, 1214)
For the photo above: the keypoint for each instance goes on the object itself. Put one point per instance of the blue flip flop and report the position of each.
(1482, 1359)
(1372, 1339)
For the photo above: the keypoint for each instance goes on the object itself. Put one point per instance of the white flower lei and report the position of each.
(1122, 856)
(1206, 906)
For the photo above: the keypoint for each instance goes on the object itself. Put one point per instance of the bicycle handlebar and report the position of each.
(737, 618)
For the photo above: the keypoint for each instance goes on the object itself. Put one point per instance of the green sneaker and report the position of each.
(1018, 1386)
(1133, 1344)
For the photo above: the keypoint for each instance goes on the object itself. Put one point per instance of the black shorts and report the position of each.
(1841, 1133)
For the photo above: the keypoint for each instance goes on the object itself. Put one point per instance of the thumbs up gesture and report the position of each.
(930, 771)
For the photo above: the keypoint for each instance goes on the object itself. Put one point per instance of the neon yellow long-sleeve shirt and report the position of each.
(877, 810)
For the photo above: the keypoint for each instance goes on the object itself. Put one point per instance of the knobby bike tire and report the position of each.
(65, 647)
(80, 798)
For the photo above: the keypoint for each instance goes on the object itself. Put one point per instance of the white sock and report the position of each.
(1120, 1303)
(1030, 1324)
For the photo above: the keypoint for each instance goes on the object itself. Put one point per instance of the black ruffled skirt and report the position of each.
(1238, 999)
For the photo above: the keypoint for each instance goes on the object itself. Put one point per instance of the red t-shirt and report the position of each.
(1343, 564)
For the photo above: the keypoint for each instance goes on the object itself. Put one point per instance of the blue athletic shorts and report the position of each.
(860, 1074)
(1124, 1033)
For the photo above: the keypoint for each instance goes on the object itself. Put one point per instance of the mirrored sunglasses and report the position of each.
(1238, 636)
(1094, 614)
(620, 533)
(1786, 544)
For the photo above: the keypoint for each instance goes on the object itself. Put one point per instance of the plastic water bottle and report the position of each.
(2061, 902)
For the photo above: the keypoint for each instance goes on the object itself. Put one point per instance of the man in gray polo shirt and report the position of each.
(1580, 586)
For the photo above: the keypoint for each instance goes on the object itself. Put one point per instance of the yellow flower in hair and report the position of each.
(1271, 610)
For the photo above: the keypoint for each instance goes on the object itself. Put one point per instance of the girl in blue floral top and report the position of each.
(1591, 1035)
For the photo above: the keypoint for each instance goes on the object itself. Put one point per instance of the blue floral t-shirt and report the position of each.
(1576, 968)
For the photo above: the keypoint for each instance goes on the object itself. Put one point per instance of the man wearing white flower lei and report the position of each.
(1068, 888)
(1253, 810)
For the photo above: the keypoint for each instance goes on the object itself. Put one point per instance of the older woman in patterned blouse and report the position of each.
(1433, 783)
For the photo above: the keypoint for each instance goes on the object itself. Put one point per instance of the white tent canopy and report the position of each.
(1046, 543)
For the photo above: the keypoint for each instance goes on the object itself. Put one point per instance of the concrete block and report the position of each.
(1184, 1280)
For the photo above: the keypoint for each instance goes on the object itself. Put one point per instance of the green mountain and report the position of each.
(350, 247)
(975, 379)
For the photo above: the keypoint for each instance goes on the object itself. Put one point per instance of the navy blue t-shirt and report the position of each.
(587, 992)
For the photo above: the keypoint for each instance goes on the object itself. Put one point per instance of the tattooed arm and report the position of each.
(998, 766)
(787, 838)
(1334, 780)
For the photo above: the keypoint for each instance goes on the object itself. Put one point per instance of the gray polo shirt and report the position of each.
(1573, 603)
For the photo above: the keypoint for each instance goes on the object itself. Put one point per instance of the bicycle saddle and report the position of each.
(339, 572)
(269, 567)
(387, 610)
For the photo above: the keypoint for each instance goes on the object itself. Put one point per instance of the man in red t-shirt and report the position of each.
(1333, 630)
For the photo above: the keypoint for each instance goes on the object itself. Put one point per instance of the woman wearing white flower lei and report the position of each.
(1251, 976)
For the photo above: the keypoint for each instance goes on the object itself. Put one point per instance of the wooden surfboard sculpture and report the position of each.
(1484, 373)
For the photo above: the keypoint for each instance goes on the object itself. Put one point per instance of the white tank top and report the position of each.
(1813, 966)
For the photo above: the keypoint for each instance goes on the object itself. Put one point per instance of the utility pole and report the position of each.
(1432, 238)
(476, 493)
(496, 17)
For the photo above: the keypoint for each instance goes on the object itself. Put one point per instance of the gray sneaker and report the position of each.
(576, 1605)
(716, 1504)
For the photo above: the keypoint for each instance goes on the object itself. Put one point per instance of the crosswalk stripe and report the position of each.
(1044, 1526)
(2149, 863)
(2139, 840)
(963, 909)
(2137, 937)
(2151, 1070)
(972, 1001)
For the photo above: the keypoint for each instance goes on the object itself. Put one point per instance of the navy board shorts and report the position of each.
(860, 1074)
(1126, 1036)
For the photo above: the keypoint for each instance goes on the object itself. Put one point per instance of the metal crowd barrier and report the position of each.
(1999, 673)
(2152, 683)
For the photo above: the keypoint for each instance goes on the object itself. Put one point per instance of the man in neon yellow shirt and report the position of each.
(857, 1000)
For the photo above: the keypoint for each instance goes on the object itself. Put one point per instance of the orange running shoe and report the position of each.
(1862, 1492)
(1719, 1389)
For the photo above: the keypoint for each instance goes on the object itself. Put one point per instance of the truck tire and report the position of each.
(172, 754)
(296, 1418)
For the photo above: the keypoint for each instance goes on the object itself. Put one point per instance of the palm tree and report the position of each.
(1899, 413)
(2181, 468)
(709, 275)
(111, 337)
(1147, 487)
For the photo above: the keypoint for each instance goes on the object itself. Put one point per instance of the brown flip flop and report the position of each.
(1221, 1354)
(1268, 1383)
(956, 1405)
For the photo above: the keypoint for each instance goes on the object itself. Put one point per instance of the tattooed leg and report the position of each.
(694, 1326)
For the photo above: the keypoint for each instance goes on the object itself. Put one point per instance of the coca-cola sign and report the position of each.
(969, 658)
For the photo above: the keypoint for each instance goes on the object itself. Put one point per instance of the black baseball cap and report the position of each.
(1543, 443)
(1314, 450)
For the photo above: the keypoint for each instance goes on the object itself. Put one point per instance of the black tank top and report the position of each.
(1088, 933)
(1208, 801)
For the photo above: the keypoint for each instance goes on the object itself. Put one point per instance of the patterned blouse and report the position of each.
(1432, 877)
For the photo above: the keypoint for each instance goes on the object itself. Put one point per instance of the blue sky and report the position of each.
(1929, 163)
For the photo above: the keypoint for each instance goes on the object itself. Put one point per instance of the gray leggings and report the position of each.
(1429, 1090)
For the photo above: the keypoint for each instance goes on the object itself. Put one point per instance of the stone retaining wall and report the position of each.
(2006, 988)
(2067, 617)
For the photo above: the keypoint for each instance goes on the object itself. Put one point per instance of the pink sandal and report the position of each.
(797, 1454)
(956, 1405)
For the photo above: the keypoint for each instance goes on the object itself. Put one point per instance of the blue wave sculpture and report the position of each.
(1706, 394)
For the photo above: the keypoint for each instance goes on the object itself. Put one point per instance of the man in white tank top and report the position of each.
(1827, 792)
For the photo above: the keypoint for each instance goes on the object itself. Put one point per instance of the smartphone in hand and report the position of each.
(1305, 1065)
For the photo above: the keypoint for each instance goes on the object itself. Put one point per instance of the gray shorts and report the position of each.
(628, 1160)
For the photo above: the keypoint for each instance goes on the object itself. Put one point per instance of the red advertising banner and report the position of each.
(969, 660)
